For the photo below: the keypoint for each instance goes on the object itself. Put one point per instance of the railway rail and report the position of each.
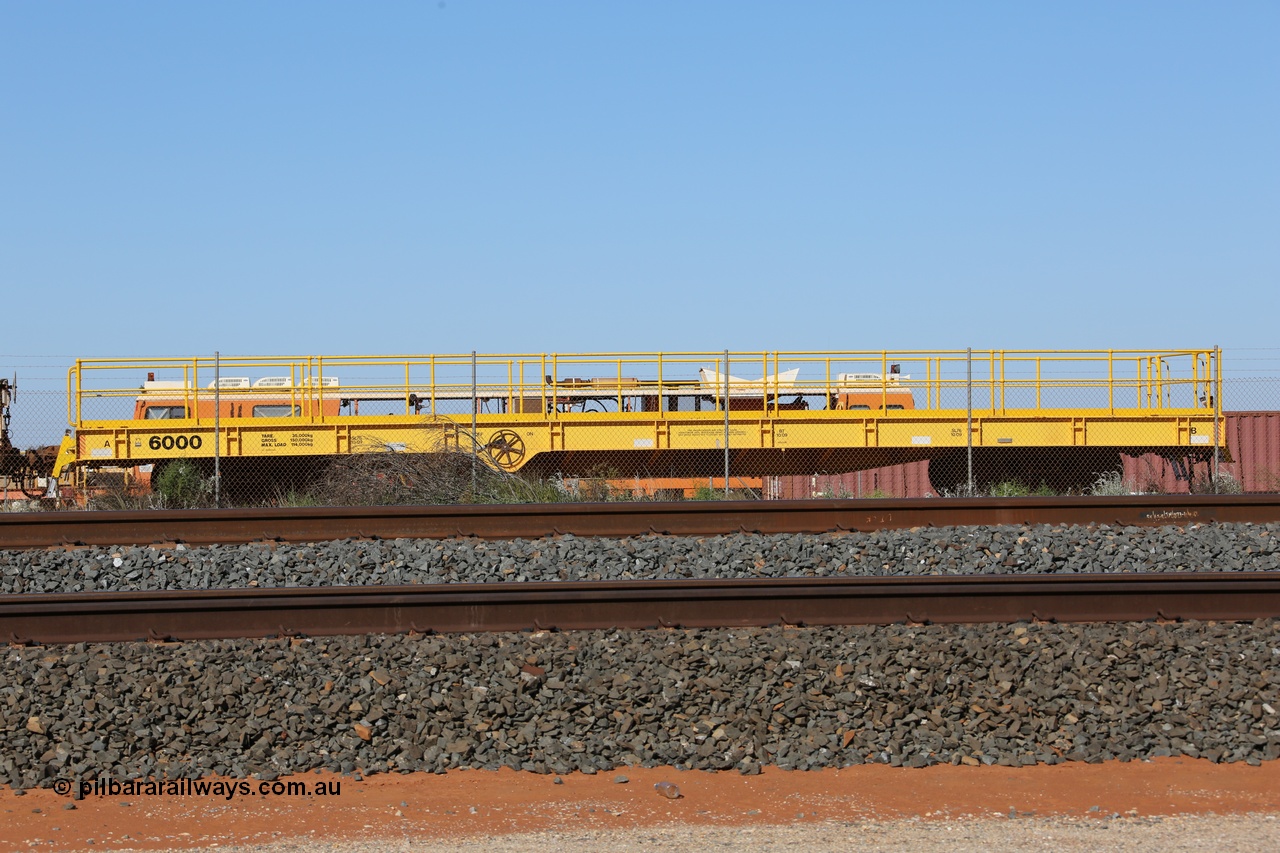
(444, 608)
(252, 613)
(685, 518)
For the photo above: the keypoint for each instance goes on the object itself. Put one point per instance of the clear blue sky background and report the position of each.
(416, 177)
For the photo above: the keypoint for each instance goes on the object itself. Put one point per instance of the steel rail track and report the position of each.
(235, 526)
(245, 613)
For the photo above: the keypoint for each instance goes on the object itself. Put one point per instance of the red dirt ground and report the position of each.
(473, 802)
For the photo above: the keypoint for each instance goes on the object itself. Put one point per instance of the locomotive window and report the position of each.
(157, 413)
(894, 406)
(277, 411)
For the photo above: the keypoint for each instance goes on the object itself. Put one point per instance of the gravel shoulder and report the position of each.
(1161, 804)
(1251, 833)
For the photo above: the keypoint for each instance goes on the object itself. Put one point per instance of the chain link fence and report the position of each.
(261, 431)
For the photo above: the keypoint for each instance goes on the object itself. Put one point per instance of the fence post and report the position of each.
(1216, 385)
(475, 437)
(726, 424)
(969, 420)
(217, 430)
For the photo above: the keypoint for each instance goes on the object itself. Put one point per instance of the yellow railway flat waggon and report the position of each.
(659, 414)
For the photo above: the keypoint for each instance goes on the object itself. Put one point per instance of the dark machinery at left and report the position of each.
(20, 470)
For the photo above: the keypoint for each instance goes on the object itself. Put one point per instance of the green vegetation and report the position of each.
(179, 485)
(1010, 489)
(709, 493)
(182, 485)
(295, 498)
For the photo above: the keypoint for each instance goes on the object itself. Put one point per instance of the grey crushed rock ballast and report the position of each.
(944, 550)
(589, 701)
(593, 701)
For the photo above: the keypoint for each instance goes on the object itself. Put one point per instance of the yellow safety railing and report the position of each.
(562, 385)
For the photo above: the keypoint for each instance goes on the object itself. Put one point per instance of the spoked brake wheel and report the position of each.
(505, 448)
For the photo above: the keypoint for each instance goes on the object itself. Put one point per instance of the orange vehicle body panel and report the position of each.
(239, 406)
(892, 399)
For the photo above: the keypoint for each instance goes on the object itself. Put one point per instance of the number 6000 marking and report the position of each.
(170, 442)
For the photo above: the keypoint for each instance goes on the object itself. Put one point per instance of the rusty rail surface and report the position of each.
(311, 524)
(207, 614)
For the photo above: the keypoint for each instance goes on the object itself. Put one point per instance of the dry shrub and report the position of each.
(1221, 484)
(443, 477)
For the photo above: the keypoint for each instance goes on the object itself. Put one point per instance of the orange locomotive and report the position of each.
(237, 397)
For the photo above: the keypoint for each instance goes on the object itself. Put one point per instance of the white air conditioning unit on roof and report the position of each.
(869, 378)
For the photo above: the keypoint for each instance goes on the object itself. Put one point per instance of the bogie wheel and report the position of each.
(506, 448)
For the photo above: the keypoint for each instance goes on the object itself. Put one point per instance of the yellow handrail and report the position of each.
(436, 384)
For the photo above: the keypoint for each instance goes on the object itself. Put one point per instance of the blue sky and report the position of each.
(321, 178)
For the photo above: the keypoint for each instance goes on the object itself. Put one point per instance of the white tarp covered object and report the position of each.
(713, 380)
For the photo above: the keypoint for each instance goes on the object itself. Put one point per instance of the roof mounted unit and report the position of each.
(869, 378)
(287, 382)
